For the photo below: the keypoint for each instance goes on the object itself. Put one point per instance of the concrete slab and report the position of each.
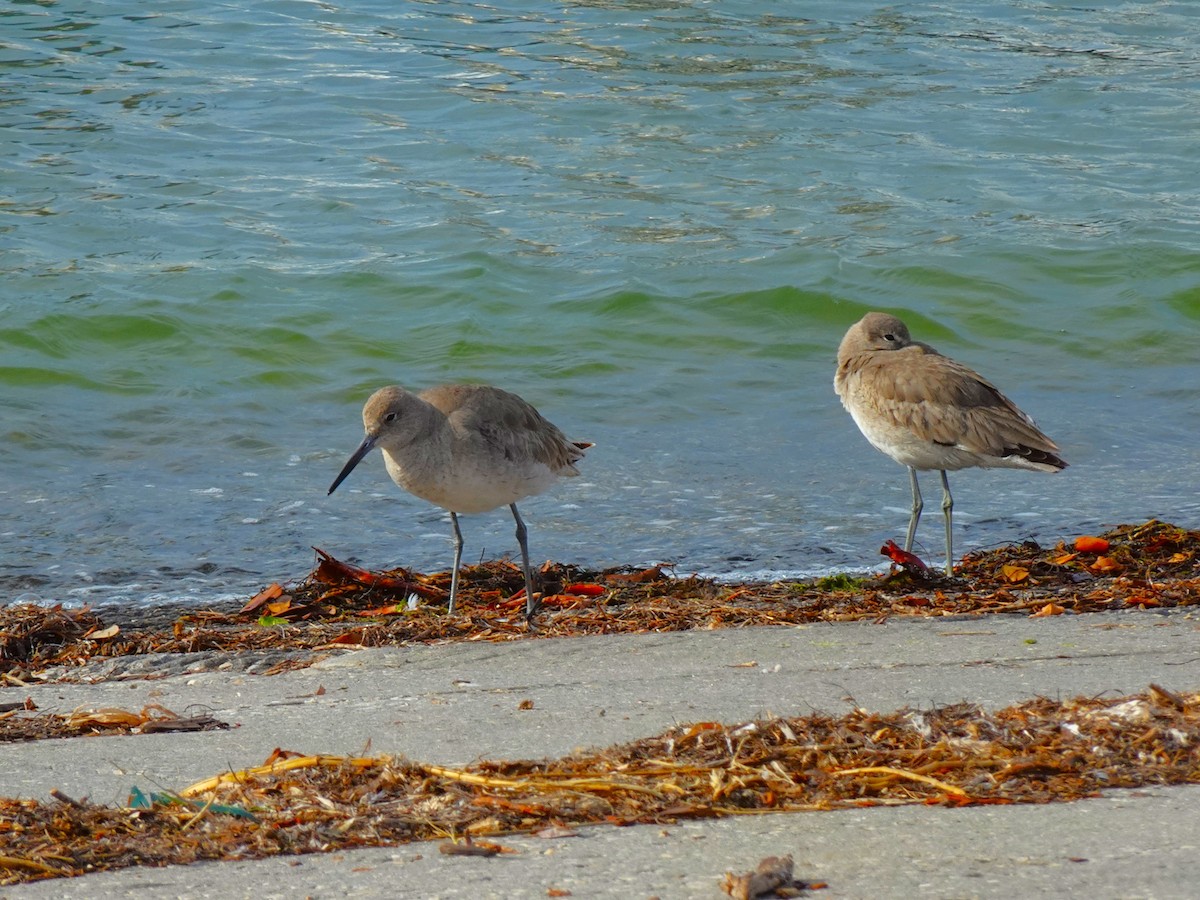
(455, 703)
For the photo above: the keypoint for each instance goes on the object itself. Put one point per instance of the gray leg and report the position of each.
(948, 510)
(918, 505)
(458, 545)
(531, 602)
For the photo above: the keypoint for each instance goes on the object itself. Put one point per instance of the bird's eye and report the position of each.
(889, 337)
(390, 417)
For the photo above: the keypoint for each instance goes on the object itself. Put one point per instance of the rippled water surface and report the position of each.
(221, 227)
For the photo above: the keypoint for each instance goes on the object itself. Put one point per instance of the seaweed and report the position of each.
(1151, 565)
(1040, 751)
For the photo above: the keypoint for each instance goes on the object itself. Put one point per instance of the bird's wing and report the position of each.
(941, 400)
(509, 426)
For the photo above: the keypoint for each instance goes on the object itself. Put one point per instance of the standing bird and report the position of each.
(927, 411)
(468, 449)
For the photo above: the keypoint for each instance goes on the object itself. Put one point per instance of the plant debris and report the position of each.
(17, 725)
(35, 636)
(340, 606)
(961, 755)
(469, 847)
(772, 877)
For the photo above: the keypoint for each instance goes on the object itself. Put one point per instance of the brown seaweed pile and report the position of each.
(337, 605)
(1034, 752)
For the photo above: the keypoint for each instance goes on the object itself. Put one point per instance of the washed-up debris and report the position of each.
(341, 607)
(25, 724)
(912, 564)
(469, 847)
(138, 799)
(32, 636)
(772, 877)
(1040, 751)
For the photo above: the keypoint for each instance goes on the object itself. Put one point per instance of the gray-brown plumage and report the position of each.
(467, 448)
(927, 411)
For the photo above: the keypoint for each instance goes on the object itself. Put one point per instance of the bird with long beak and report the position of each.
(468, 449)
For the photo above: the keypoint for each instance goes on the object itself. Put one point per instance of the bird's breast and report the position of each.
(469, 485)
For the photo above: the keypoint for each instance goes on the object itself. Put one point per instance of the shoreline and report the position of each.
(465, 697)
(1152, 565)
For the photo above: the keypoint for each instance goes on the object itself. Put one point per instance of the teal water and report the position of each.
(222, 227)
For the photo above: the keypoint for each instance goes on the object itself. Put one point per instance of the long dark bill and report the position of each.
(363, 449)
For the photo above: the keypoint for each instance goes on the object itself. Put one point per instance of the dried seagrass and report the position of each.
(1152, 565)
(1036, 752)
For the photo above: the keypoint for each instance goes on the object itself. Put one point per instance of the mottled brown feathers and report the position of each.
(886, 378)
(508, 423)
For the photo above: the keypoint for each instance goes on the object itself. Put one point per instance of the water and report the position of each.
(221, 227)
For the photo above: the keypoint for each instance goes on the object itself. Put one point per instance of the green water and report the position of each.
(222, 227)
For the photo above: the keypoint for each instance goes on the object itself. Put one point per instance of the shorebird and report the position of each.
(468, 449)
(927, 412)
